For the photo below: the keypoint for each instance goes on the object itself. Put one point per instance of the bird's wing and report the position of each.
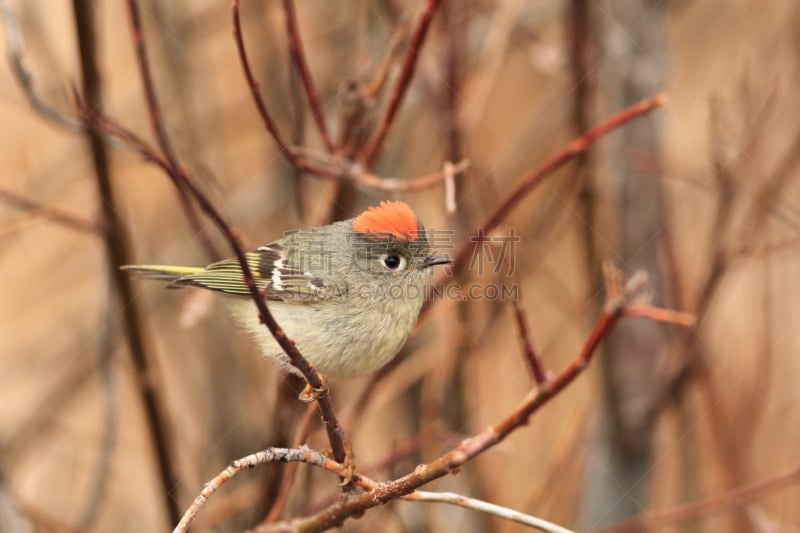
(273, 272)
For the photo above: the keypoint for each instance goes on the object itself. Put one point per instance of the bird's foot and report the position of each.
(310, 394)
(348, 462)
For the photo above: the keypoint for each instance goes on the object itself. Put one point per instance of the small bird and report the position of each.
(348, 293)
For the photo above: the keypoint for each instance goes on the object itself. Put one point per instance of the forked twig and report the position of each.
(343, 169)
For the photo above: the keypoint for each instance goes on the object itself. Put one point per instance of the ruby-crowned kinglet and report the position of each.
(348, 293)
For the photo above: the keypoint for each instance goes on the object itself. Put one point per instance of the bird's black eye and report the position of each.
(394, 262)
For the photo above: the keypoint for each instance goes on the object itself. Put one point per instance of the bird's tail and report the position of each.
(169, 273)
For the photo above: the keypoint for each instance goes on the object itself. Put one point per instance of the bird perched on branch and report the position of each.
(348, 293)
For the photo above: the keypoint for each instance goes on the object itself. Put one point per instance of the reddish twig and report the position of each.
(146, 76)
(300, 63)
(705, 508)
(532, 179)
(536, 176)
(534, 363)
(401, 86)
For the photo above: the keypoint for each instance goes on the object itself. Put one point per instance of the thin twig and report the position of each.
(401, 86)
(300, 63)
(485, 507)
(576, 147)
(533, 360)
(183, 181)
(297, 113)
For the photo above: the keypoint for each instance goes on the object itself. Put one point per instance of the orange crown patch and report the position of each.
(394, 218)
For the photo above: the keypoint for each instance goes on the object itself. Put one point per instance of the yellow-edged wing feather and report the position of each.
(280, 282)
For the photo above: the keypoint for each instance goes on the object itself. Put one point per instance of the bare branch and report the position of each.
(282, 455)
(485, 507)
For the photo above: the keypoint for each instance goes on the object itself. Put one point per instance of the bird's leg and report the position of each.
(349, 459)
(310, 394)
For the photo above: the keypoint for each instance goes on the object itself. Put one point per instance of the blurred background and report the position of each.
(701, 194)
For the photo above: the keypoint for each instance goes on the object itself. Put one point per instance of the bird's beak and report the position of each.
(433, 260)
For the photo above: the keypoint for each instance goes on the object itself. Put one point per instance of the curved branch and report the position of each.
(302, 454)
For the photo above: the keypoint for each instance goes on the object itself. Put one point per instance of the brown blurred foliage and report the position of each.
(712, 409)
